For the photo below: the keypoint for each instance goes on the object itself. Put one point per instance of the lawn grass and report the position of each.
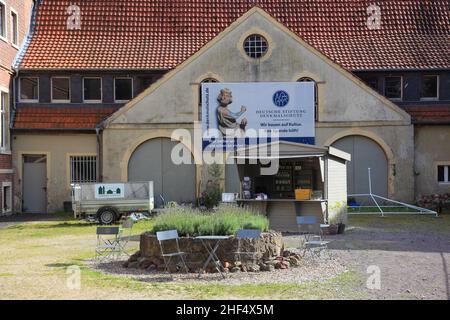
(38, 253)
(343, 286)
(403, 222)
(375, 209)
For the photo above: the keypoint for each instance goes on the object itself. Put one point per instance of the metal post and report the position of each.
(371, 195)
(421, 210)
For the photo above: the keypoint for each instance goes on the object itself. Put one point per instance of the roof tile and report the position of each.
(433, 114)
(160, 34)
(73, 118)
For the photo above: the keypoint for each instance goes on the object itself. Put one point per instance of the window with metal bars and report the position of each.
(255, 46)
(83, 169)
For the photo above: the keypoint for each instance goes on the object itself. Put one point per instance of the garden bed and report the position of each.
(226, 220)
(268, 248)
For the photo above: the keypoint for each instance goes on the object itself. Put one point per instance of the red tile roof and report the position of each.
(429, 114)
(73, 118)
(160, 34)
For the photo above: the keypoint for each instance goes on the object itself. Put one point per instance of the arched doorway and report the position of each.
(365, 153)
(151, 161)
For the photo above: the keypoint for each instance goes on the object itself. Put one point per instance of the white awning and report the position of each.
(287, 150)
(281, 156)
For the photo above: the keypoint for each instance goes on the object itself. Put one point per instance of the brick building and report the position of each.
(382, 92)
(14, 26)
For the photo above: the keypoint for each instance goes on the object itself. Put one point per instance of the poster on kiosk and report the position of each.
(233, 111)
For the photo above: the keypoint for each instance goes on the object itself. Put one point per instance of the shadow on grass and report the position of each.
(115, 268)
(45, 225)
(59, 265)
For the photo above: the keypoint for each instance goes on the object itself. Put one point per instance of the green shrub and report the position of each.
(171, 204)
(212, 196)
(226, 220)
(213, 192)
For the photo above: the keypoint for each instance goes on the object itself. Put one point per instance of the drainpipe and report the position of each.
(14, 106)
(99, 153)
(13, 174)
(15, 68)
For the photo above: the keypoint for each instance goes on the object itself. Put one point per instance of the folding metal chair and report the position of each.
(107, 243)
(247, 234)
(125, 235)
(311, 230)
(167, 256)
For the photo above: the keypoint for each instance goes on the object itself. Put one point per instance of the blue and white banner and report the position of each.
(232, 110)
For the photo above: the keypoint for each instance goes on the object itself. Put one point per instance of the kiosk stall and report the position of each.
(310, 180)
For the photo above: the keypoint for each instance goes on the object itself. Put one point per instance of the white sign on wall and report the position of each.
(109, 190)
(235, 109)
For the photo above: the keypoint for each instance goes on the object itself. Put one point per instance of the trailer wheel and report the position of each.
(107, 215)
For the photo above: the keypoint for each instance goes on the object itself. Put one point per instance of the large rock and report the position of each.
(144, 262)
(267, 267)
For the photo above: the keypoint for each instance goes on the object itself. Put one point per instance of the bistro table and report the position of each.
(208, 242)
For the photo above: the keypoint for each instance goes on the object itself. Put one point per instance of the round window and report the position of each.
(255, 46)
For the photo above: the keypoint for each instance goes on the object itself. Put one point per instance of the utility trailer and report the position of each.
(107, 202)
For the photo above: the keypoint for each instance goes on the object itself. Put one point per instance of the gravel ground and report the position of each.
(413, 259)
(319, 269)
(413, 264)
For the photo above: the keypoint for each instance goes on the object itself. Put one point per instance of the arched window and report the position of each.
(316, 96)
(207, 80)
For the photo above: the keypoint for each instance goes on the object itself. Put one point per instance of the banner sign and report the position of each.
(243, 109)
(109, 190)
